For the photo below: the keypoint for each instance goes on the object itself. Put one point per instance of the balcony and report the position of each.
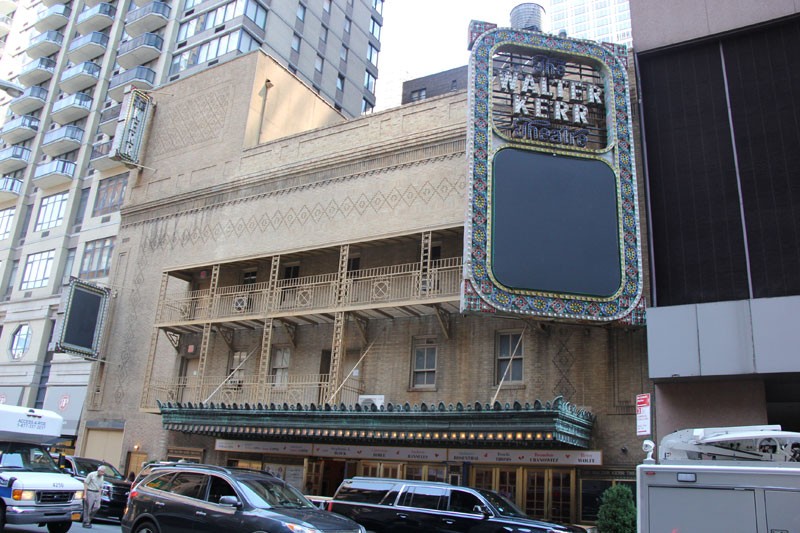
(142, 77)
(54, 173)
(51, 3)
(108, 120)
(147, 19)
(5, 25)
(139, 50)
(303, 389)
(7, 6)
(101, 153)
(45, 44)
(97, 18)
(88, 47)
(20, 129)
(32, 99)
(10, 188)
(79, 77)
(53, 18)
(37, 71)
(72, 108)
(14, 158)
(62, 140)
(363, 290)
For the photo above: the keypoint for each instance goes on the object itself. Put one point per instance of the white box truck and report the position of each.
(733, 479)
(33, 490)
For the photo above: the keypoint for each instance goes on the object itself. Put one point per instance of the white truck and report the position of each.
(732, 479)
(33, 490)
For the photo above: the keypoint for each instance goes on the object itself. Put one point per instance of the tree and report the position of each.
(617, 513)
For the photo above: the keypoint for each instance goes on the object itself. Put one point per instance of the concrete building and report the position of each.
(293, 306)
(719, 114)
(62, 186)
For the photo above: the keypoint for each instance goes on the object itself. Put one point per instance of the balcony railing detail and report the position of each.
(138, 73)
(305, 389)
(10, 185)
(363, 288)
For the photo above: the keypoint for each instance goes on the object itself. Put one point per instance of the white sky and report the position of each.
(421, 37)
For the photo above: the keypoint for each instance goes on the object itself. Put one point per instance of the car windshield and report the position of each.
(272, 493)
(502, 505)
(85, 466)
(17, 456)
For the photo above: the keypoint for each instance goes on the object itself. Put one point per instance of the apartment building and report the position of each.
(598, 20)
(62, 185)
(719, 115)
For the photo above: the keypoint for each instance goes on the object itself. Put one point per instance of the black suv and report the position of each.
(396, 505)
(197, 498)
(114, 495)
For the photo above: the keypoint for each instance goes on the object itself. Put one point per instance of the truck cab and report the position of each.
(33, 490)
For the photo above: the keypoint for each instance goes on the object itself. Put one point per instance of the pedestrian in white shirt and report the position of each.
(92, 486)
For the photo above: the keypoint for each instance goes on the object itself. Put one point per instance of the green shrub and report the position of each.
(617, 513)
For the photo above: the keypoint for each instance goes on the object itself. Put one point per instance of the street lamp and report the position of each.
(11, 89)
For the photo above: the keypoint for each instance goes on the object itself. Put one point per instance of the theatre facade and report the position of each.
(289, 295)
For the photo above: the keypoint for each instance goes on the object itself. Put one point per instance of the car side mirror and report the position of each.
(233, 501)
(481, 509)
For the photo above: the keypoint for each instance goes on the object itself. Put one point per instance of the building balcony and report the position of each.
(142, 77)
(14, 158)
(54, 173)
(302, 389)
(53, 18)
(10, 188)
(147, 19)
(139, 50)
(32, 99)
(45, 44)
(51, 3)
(37, 71)
(101, 156)
(5, 25)
(108, 120)
(88, 47)
(72, 108)
(20, 129)
(79, 77)
(365, 290)
(7, 6)
(62, 140)
(97, 18)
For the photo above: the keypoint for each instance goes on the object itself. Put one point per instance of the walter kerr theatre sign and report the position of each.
(552, 225)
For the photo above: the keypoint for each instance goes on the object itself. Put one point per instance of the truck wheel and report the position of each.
(2, 517)
(146, 527)
(59, 527)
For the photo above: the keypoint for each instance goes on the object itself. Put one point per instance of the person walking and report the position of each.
(92, 485)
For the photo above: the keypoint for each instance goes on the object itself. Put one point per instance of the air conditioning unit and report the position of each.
(241, 303)
(368, 400)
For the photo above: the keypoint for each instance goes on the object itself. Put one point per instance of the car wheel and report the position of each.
(59, 527)
(146, 527)
(2, 517)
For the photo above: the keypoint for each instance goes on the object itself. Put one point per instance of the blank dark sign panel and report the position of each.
(82, 321)
(554, 226)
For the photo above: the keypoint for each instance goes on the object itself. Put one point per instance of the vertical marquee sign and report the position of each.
(552, 225)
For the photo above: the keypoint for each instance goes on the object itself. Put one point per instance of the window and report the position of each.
(375, 28)
(20, 341)
(37, 270)
(12, 278)
(188, 484)
(6, 218)
(340, 83)
(509, 357)
(377, 5)
(369, 82)
(347, 25)
(464, 502)
(343, 53)
(240, 41)
(96, 260)
(110, 194)
(372, 55)
(366, 106)
(51, 211)
(419, 94)
(323, 34)
(249, 277)
(424, 497)
(69, 262)
(280, 366)
(423, 372)
(319, 63)
(301, 12)
(219, 488)
(296, 42)
(326, 6)
(81, 210)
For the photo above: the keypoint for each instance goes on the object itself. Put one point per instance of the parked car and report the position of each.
(395, 505)
(114, 495)
(206, 498)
